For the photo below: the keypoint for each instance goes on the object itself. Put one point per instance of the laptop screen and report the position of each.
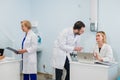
(85, 56)
(1, 52)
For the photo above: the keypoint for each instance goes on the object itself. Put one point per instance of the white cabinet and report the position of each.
(10, 69)
(82, 71)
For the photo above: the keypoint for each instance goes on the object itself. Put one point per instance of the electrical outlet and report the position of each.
(44, 66)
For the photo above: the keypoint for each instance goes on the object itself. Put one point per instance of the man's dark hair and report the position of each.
(78, 25)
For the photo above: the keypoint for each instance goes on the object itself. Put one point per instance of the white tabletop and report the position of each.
(95, 65)
(8, 60)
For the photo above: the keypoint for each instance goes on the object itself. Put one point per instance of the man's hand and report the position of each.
(22, 51)
(78, 48)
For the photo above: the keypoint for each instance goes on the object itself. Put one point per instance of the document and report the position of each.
(105, 63)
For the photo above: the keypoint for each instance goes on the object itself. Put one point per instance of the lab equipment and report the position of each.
(73, 56)
(93, 27)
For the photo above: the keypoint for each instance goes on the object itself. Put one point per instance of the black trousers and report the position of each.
(59, 72)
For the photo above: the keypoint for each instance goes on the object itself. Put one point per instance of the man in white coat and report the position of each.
(64, 45)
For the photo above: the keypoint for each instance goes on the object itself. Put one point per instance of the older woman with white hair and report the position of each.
(28, 51)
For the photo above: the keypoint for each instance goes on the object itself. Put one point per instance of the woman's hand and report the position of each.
(98, 57)
(22, 51)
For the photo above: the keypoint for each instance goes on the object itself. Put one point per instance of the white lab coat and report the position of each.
(30, 58)
(106, 52)
(63, 46)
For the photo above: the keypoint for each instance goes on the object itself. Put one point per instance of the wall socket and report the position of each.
(44, 66)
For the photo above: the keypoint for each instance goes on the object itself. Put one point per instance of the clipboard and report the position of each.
(13, 50)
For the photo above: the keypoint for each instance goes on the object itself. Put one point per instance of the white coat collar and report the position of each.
(29, 31)
(102, 48)
(72, 33)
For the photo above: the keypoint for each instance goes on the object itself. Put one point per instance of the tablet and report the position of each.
(13, 50)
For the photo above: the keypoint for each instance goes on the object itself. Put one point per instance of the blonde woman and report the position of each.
(102, 51)
(28, 51)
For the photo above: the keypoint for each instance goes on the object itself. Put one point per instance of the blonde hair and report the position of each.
(26, 23)
(103, 35)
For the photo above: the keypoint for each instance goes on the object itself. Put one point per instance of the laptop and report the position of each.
(84, 57)
(1, 52)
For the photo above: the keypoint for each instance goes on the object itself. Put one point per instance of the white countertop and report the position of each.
(96, 65)
(8, 60)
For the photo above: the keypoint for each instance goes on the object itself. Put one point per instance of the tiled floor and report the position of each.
(43, 77)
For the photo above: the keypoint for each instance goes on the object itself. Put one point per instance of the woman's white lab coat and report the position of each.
(63, 46)
(30, 58)
(106, 52)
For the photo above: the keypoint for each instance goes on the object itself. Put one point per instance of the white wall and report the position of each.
(11, 13)
(55, 15)
(109, 21)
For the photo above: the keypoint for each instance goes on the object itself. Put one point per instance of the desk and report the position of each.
(82, 71)
(9, 69)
